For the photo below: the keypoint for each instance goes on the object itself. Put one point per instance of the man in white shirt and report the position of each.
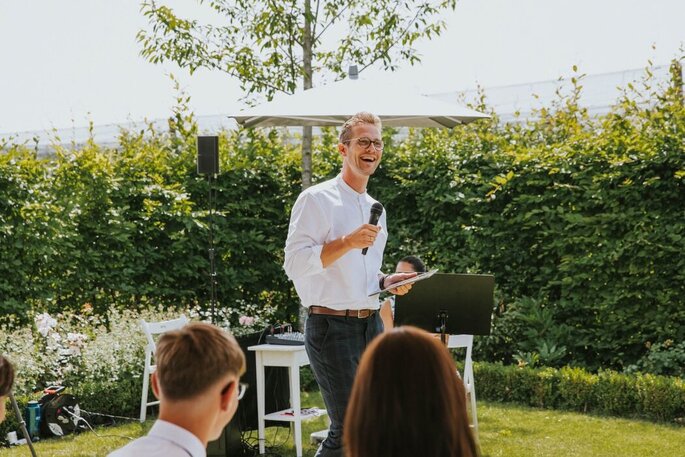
(197, 384)
(323, 257)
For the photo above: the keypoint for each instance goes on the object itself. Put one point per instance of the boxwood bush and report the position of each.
(652, 397)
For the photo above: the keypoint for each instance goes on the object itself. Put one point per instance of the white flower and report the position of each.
(45, 323)
(247, 321)
(76, 341)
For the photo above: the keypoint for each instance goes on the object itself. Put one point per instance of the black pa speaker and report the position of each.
(277, 393)
(208, 155)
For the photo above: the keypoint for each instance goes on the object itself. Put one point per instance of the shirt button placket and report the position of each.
(360, 201)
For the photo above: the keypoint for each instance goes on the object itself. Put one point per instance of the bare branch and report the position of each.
(316, 18)
(316, 37)
(399, 38)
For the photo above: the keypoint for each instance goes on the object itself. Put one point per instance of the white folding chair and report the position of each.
(151, 329)
(466, 341)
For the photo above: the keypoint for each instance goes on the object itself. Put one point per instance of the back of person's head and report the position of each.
(6, 382)
(407, 400)
(360, 118)
(416, 263)
(6, 376)
(194, 358)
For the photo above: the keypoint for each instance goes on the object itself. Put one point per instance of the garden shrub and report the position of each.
(657, 398)
(520, 386)
(491, 384)
(545, 388)
(576, 389)
(579, 219)
(615, 394)
(98, 358)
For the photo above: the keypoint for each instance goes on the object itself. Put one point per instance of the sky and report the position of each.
(69, 62)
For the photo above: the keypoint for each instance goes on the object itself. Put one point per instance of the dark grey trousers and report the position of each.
(334, 346)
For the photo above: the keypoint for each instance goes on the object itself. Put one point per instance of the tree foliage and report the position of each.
(275, 47)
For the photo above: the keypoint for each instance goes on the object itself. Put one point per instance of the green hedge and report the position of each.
(580, 219)
(130, 227)
(657, 398)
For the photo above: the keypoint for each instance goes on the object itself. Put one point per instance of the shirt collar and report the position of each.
(179, 436)
(346, 187)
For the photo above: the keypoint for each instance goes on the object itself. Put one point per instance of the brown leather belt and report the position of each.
(356, 313)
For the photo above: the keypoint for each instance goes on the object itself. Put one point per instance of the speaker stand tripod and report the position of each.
(212, 262)
(208, 164)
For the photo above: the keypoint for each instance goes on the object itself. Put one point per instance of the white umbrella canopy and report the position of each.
(333, 104)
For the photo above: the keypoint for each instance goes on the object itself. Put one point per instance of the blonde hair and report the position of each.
(363, 117)
(194, 358)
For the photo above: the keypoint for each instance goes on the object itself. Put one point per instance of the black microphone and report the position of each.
(376, 211)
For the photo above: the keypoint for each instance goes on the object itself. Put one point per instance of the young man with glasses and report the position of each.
(197, 384)
(323, 257)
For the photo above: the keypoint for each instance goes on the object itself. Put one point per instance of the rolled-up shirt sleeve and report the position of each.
(306, 238)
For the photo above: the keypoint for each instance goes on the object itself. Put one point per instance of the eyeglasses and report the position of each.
(242, 387)
(365, 142)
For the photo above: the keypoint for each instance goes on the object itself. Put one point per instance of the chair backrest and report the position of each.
(463, 341)
(460, 341)
(157, 328)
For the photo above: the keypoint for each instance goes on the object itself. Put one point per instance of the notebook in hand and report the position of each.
(413, 279)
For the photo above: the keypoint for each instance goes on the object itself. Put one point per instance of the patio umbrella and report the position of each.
(332, 104)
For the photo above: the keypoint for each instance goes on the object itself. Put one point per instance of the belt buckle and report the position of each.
(361, 312)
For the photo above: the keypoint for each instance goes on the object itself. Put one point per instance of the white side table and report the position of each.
(293, 357)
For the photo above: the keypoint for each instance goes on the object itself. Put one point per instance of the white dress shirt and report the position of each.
(164, 440)
(321, 214)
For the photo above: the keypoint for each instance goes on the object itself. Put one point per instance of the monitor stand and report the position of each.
(442, 317)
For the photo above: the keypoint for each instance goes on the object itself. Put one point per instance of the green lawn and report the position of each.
(505, 430)
(514, 431)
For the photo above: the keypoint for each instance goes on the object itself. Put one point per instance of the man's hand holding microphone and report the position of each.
(365, 236)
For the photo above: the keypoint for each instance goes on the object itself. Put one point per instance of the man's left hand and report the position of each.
(397, 277)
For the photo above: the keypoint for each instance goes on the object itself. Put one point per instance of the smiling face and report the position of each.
(360, 163)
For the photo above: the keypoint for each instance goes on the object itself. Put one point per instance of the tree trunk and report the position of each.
(307, 64)
(306, 157)
(307, 130)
